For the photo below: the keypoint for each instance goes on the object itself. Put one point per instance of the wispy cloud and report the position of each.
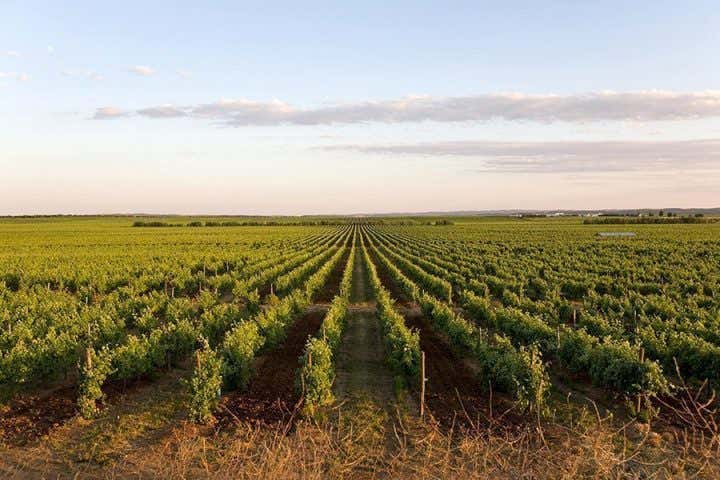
(164, 111)
(142, 70)
(108, 113)
(646, 106)
(51, 50)
(571, 156)
(184, 73)
(12, 53)
(19, 76)
(91, 74)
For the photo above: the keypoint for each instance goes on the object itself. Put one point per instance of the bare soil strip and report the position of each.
(272, 396)
(332, 285)
(388, 282)
(29, 417)
(453, 393)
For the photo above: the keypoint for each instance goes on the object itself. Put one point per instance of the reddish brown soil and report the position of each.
(389, 282)
(31, 416)
(272, 397)
(332, 285)
(453, 393)
(116, 389)
(264, 291)
(449, 381)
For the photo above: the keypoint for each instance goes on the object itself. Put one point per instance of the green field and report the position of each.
(293, 348)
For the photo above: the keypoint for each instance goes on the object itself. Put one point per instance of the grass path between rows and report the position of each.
(361, 368)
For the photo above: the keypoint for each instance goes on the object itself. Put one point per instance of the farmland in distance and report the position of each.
(405, 347)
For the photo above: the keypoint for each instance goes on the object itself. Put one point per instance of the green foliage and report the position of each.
(317, 363)
(205, 384)
(317, 374)
(574, 290)
(519, 372)
(461, 332)
(142, 302)
(334, 322)
(525, 328)
(238, 351)
(403, 346)
(479, 308)
(140, 298)
(614, 364)
(268, 327)
(94, 368)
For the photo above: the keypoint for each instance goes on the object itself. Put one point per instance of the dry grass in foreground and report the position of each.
(365, 441)
(362, 440)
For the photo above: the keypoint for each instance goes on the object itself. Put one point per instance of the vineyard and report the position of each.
(359, 348)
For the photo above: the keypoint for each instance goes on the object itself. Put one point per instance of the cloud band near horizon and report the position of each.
(646, 106)
(563, 157)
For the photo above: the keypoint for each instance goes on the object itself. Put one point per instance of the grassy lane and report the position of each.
(361, 368)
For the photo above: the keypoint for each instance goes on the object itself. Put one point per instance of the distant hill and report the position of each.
(710, 212)
(489, 213)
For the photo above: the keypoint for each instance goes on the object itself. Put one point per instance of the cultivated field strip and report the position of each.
(519, 372)
(317, 365)
(43, 327)
(129, 333)
(613, 364)
(618, 358)
(230, 365)
(532, 337)
(511, 316)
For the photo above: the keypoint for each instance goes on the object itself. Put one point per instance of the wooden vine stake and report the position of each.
(302, 377)
(635, 320)
(558, 337)
(422, 384)
(639, 396)
(88, 358)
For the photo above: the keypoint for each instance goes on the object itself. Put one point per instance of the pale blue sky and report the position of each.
(300, 107)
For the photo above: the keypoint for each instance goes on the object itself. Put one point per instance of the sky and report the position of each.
(226, 107)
